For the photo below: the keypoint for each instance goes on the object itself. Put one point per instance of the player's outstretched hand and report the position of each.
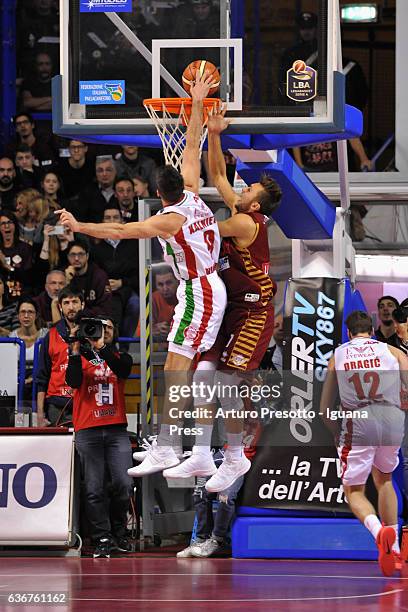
(201, 86)
(217, 122)
(68, 220)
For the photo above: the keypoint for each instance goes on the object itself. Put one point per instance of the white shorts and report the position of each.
(367, 443)
(198, 315)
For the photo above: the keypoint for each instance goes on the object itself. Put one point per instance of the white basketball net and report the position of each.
(172, 131)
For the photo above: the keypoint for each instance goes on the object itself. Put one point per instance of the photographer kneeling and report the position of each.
(97, 373)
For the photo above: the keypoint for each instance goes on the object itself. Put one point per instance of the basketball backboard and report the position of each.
(279, 74)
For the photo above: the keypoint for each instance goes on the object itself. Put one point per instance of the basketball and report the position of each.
(204, 68)
(299, 66)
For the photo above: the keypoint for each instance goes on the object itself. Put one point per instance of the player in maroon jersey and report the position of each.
(248, 320)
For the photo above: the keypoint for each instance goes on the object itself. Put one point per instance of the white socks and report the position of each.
(203, 442)
(234, 441)
(396, 546)
(372, 522)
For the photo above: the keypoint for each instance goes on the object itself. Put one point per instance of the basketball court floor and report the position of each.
(148, 582)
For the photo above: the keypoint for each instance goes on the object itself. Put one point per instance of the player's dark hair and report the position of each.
(359, 322)
(271, 196)
(390, 298)
(170, 183)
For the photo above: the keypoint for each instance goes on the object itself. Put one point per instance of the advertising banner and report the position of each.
(35, 475)
(296, 464)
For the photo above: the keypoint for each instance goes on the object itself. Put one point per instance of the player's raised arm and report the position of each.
(191, 165)
(216, 124)
(161, 225)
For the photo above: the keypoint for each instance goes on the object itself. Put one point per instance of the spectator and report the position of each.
(77, 171)
(212, 531)
(26, 213)
(15, 256)
(93, 200)
(27, 173)
(386, 331)
(54, 248)
(36, 20)
(201, 21)
(305, 48)
(8, 187)
(56, 240)
(98, 379)
(8, 311)
(164, 300)
(125, 196)
(88, 278)
(41, 150)
(47, 302)
(29, 330)
(141, 186)
(36, 89)
(54, 396)
(51, 186)
(132, 163)
(120, 261)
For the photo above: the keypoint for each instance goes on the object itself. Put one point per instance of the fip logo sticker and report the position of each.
(106, 6)
(102, 92)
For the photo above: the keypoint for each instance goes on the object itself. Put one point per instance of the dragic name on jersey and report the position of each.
(367, 373)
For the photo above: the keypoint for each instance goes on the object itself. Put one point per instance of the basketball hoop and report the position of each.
(171, 117)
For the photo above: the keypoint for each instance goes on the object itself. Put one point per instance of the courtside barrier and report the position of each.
(21, 368)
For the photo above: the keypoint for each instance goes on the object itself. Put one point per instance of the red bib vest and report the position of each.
(100, 400)
(58, 351)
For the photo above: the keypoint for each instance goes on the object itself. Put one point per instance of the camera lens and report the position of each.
(90, 329)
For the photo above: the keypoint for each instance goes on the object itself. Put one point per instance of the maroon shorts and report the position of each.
(243, 338)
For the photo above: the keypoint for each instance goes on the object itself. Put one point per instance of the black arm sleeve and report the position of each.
(73, 375)
(121, 364)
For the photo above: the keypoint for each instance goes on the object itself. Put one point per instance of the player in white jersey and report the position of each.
(190, 239)
(193, 254)
(368, 374)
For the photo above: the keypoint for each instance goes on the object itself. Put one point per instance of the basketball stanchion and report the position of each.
(170, 117)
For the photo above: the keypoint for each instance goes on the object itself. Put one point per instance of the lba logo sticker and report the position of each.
(301, 84)
(102, 92)
(106, 6)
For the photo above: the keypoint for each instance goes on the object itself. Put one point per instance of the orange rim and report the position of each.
(173, 105)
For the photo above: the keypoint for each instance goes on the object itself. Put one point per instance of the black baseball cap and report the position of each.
(306, 20)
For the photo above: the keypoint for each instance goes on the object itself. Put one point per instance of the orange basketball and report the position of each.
(299, 66)
(204, 68)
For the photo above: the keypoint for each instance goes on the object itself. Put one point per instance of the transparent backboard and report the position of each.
(278, 72)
